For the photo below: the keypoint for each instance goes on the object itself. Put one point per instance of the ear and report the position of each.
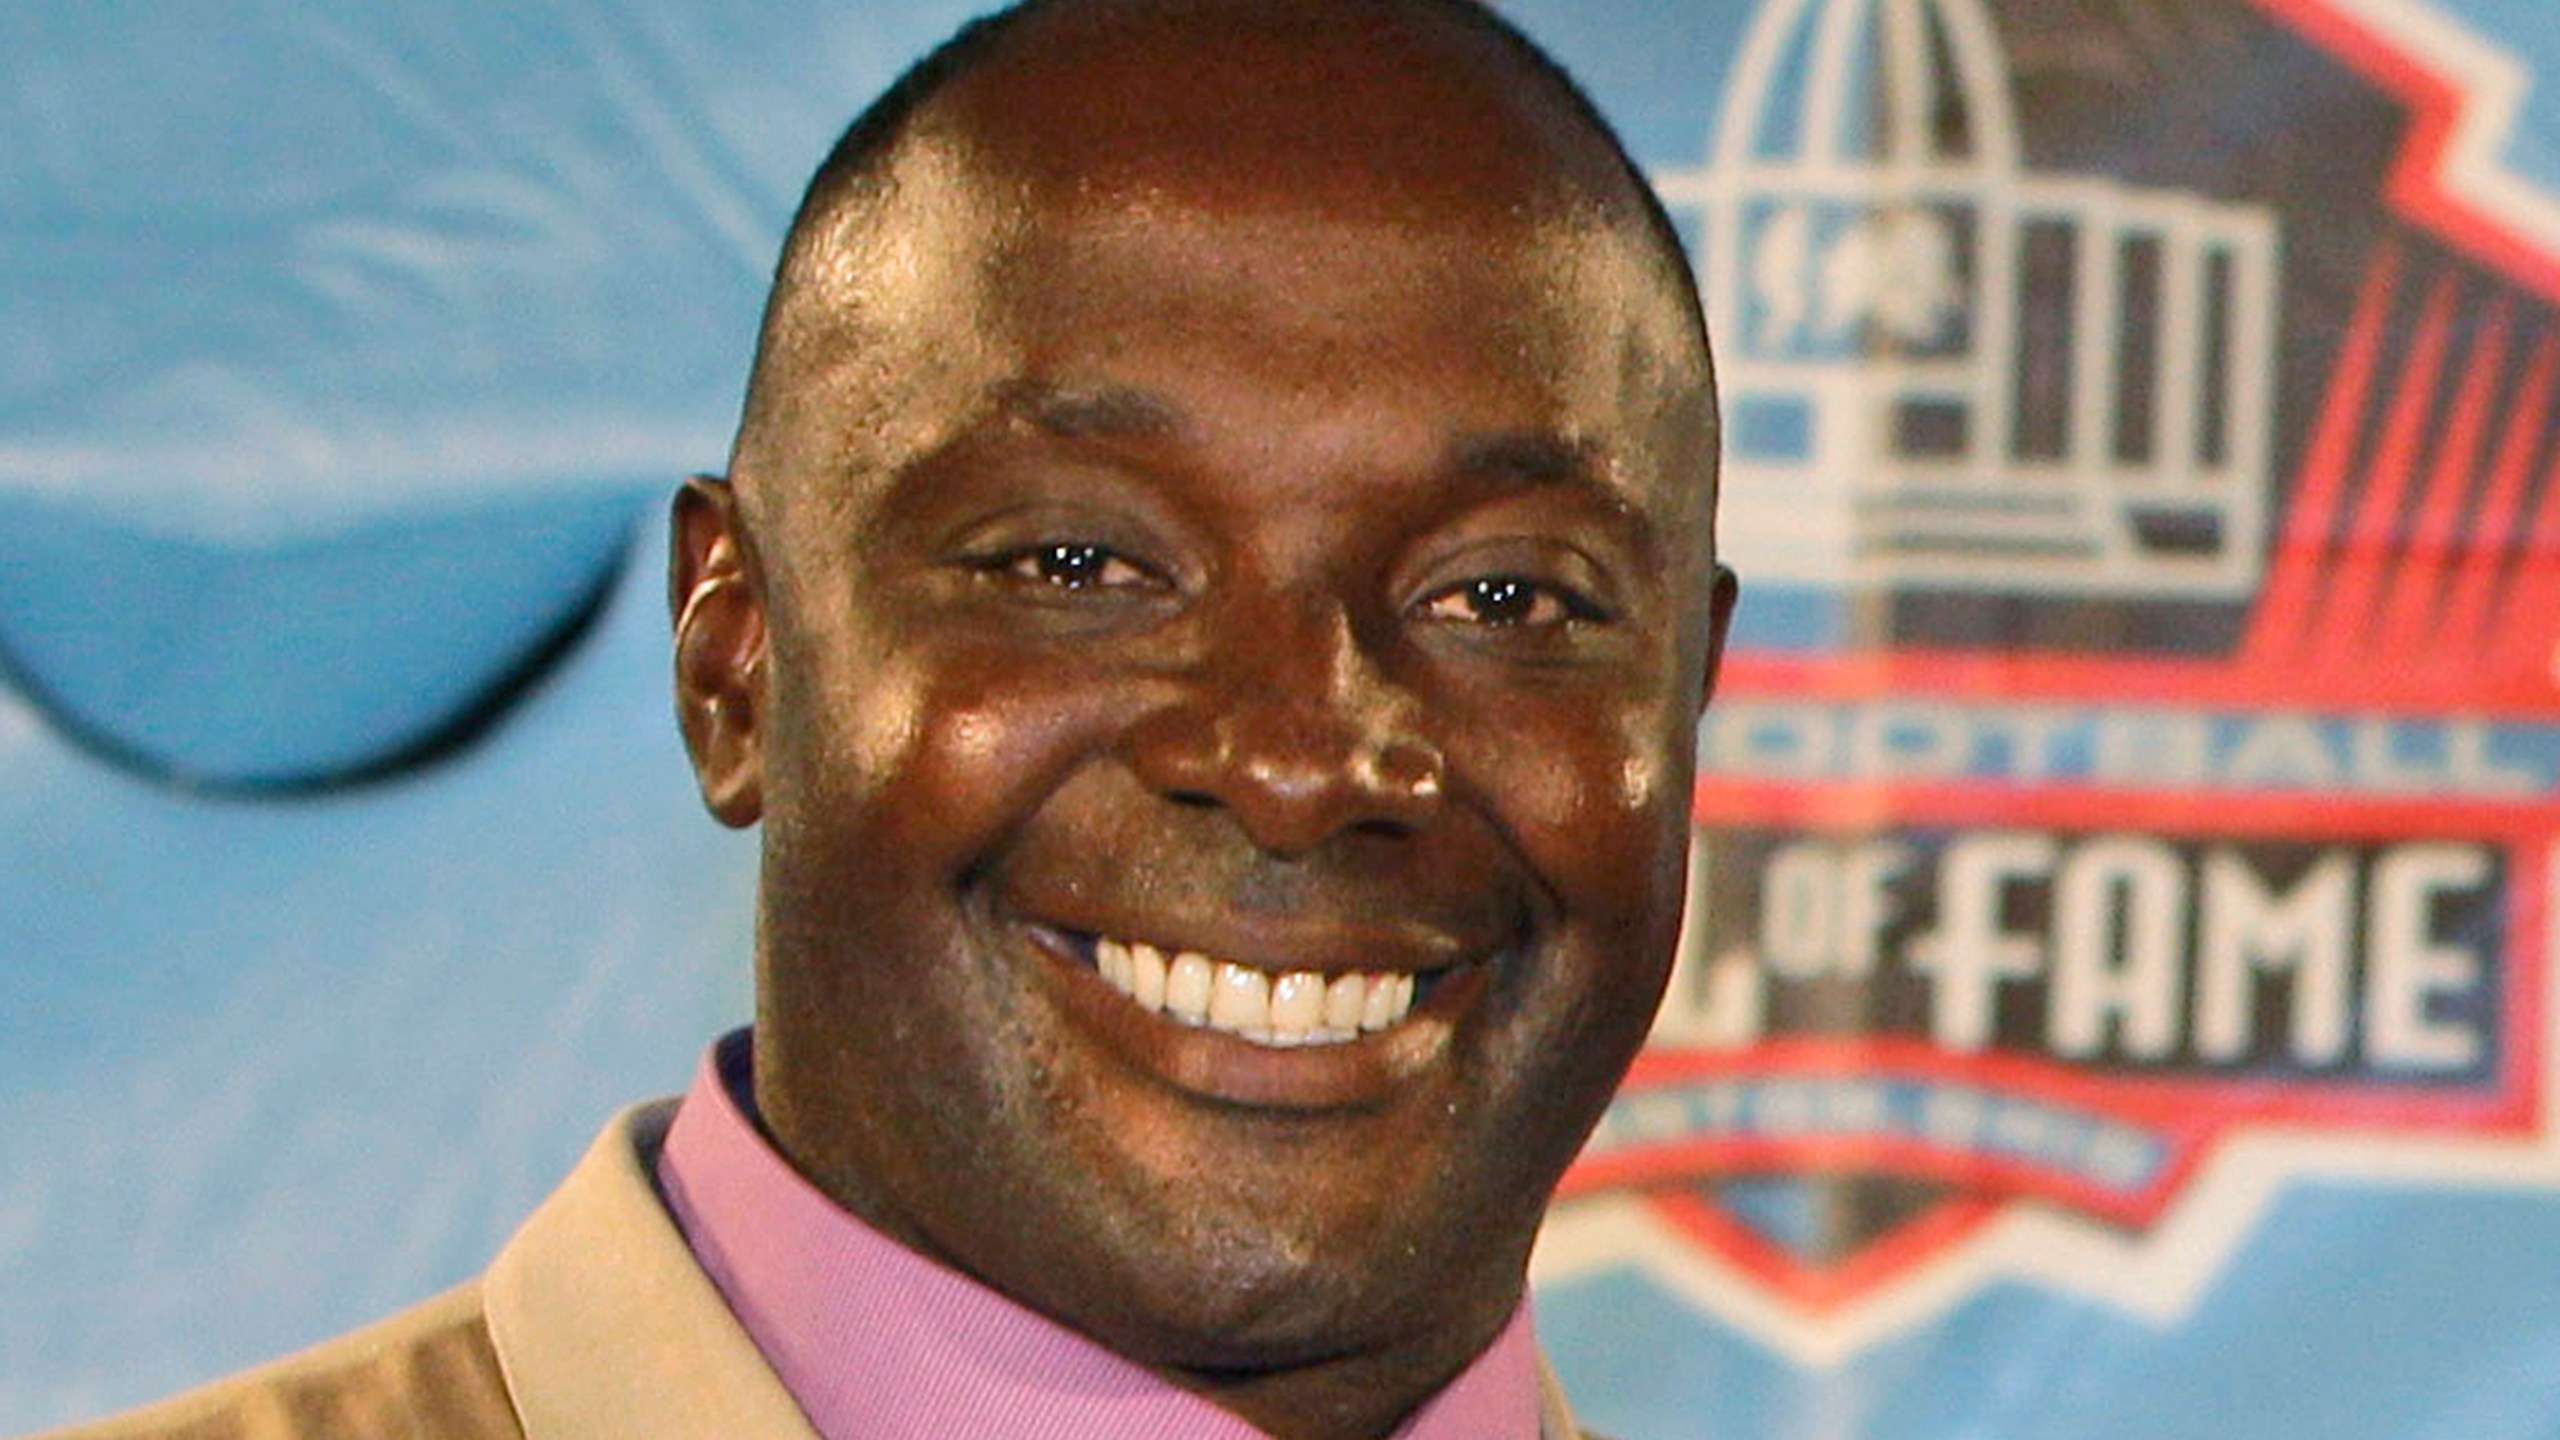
(1719, 620)
(718, 604)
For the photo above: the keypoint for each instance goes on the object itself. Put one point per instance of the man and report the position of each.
(1210, 606)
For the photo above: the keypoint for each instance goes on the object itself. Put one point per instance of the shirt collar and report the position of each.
(873, 1339)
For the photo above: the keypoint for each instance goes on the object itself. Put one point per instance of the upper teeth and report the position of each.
(1297, 1007)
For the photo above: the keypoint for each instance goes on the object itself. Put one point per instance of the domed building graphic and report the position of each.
(2130, 789)
(1942, 372)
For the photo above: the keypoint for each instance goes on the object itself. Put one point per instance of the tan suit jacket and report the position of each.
(595, 1323)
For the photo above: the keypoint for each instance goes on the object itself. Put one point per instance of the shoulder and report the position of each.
(427, 1374)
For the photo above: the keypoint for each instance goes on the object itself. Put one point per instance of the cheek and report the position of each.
(1597, 799)
(838, 739)
(924, 756)
(854, 736)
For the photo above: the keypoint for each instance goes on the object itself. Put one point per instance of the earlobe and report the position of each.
(718, 605)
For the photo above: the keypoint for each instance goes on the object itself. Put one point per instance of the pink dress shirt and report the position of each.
(877, 1342)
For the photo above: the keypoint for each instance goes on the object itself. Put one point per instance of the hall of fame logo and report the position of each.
(2132, 786)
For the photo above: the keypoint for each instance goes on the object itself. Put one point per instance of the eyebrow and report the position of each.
(1114, 413)
(1530, 457)
(1543, 460)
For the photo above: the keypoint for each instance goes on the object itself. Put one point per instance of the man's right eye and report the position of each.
(1073, 565)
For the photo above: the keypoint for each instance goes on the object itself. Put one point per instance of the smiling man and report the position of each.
(1210, 607)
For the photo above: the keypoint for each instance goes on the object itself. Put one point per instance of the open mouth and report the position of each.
(1304, 1035)
(1277, 1008)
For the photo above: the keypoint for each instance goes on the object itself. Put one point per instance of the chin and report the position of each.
(1228, 1289)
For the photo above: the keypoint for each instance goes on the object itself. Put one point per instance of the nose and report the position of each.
(1293, 732)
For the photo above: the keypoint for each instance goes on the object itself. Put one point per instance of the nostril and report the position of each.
(1382, 827)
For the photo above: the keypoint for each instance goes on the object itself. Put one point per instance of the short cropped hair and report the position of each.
(861, 154)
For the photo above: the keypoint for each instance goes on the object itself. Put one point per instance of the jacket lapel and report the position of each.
(1555, 1422)
(606, 1327)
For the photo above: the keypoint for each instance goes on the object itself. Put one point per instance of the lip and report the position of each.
(1213, 1066)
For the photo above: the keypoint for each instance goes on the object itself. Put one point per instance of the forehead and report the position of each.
(1308, 302)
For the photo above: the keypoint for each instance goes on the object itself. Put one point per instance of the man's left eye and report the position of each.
(1075, 565)
(1508, 601)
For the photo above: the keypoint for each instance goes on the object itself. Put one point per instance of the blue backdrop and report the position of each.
(353, 874)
